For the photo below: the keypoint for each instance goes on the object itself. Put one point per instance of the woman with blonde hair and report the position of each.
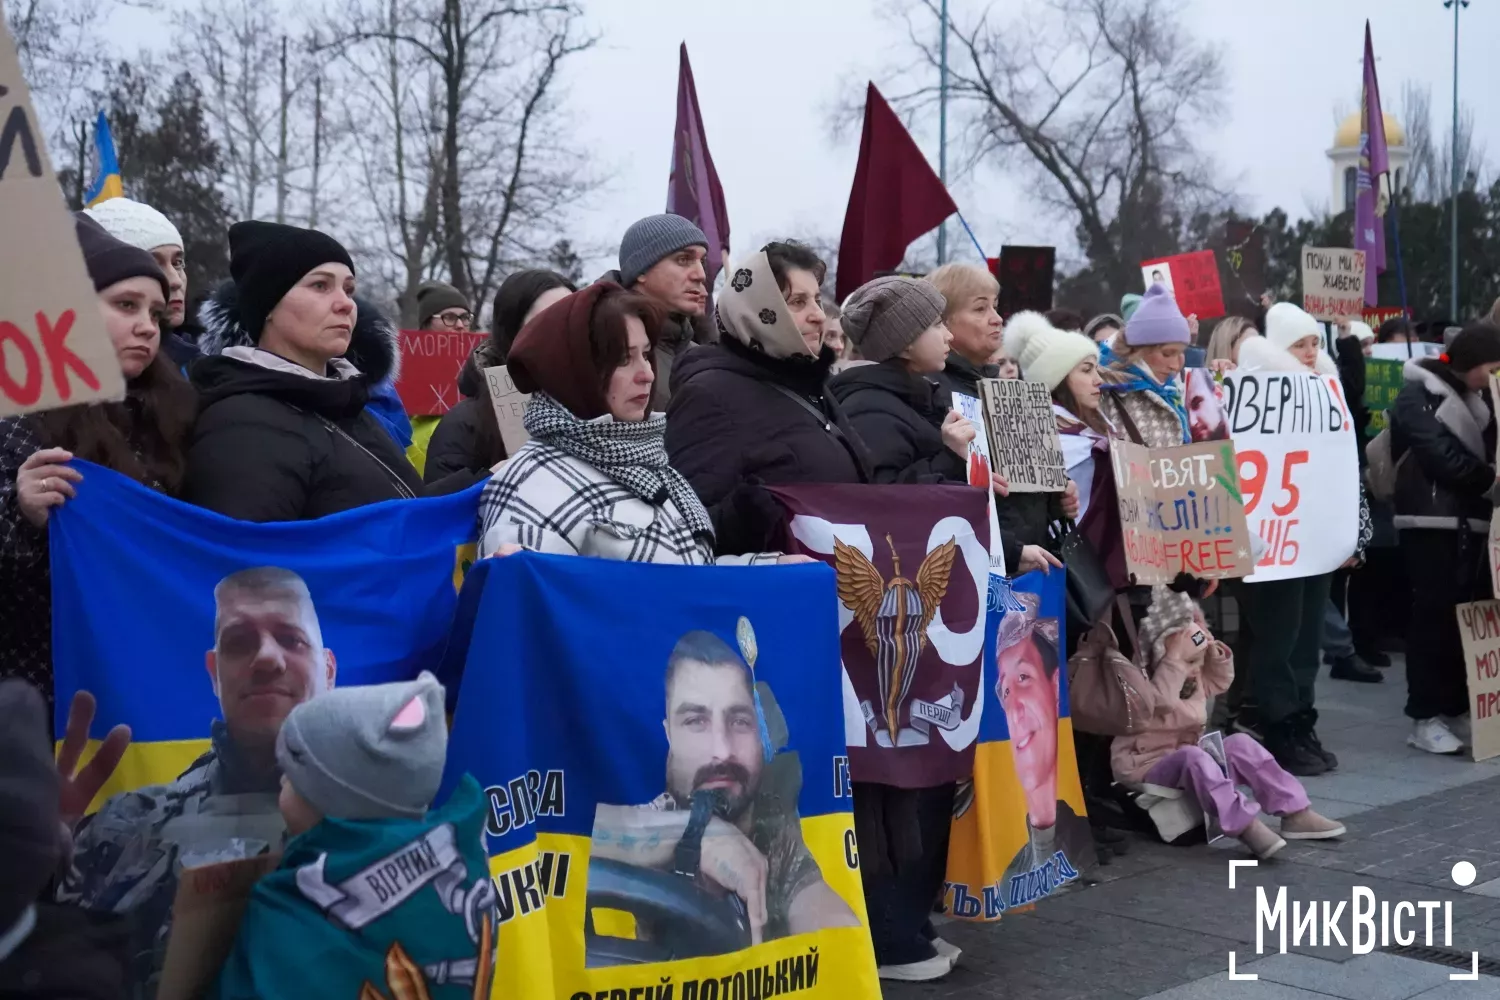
(1224, 342)
(971, 293)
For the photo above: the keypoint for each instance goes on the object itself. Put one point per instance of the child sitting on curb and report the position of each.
(375, 896)
(1187, 667)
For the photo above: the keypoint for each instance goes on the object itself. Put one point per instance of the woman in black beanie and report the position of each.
(283, 430)
(1443, 443)
(141, 437)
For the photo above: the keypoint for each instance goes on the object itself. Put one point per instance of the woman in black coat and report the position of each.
(283, 432)
(754, 410)
(1443, 441)
(468, 438)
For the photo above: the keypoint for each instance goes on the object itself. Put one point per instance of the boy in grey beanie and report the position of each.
(883, 317)
(373, 752)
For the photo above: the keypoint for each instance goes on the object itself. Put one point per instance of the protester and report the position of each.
(663, 258)
(1143, 390)
(1396, 330)
(833, 330)
(1102, 328)
(439, 308)
(1443, 441)
(1230, 332)
(142, 226)
(361, 767)
(468, 436)
(594, 479)
(1004, 365)
(284, 433)
(970, 293)
(1067, 320)
(143, 437)
(1364, 335)
(1187, 667)
(1129, 303)
(1282, 620)
(754, 410)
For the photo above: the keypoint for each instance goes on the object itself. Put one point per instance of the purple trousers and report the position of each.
(1193, 770)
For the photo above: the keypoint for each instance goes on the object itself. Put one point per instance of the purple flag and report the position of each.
(1374, 162)
(693, 190)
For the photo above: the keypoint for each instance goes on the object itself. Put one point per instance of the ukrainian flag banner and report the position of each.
(106, 183)
(187, 625)
(661, 748)
(1020, 831)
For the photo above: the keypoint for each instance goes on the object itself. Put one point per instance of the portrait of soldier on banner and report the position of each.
(716, 862)
(1029, 667)
(1207, 419)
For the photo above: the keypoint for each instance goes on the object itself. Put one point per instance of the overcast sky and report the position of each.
(769, 73)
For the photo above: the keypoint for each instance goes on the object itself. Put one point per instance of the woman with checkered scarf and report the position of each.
(594, 479)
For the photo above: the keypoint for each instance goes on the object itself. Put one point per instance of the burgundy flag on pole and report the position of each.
(896, 198)
(693, 190)
(1374, 162)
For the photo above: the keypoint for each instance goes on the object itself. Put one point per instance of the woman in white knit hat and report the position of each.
(142, 226)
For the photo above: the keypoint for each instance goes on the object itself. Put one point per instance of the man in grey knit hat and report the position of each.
(662, 257)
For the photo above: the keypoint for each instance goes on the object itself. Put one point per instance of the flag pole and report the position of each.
(972, 238)
(942, 235)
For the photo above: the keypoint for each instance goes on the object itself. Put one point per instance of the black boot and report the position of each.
(1373, 657)
(1284, 741)
(1306, 720)
(1351, 668)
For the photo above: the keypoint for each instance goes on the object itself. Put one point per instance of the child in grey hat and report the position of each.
(375, 885)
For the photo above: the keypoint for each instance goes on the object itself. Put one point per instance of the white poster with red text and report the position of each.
(1299, 470)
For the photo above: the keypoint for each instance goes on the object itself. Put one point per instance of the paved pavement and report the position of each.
(1161, 921)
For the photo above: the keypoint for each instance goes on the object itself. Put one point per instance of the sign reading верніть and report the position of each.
(1333, 283)
(54, 350)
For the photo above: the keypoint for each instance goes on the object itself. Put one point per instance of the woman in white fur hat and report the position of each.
(142, 226)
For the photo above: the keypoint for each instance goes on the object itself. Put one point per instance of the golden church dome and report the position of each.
(1347, 136)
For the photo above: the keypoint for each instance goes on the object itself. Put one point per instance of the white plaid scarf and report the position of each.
(632, 452)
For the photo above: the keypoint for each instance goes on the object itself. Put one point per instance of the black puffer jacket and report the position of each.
(735, 424)
(462, 434)
(899, 417)
(275, 443)
(962, 375)
(1443, 439)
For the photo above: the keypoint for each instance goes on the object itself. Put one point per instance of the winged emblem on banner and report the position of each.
(893, 615)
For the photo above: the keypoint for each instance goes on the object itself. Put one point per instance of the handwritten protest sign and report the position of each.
(510, 408)
(54, 350)
(1479, 628)
(1383, 381)
(1193, 280)
(1298, 469)
(430, 364)
(1181, 511)
(1023, 435)
(980, 467)
(1333, 283)
(1025, 275)
(1376, 315)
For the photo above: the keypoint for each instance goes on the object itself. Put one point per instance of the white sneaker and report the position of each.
(924, 971)
(1434, 737)
(1459, 726)
(947, 949)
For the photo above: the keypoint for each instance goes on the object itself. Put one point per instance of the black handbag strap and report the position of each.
(829, 424)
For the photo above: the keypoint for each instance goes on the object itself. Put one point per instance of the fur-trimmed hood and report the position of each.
(374, 349)
(1464, 413)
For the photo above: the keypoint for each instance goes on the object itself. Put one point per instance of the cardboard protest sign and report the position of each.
(1298, 470)
(912, 567)
(54, 350)
(430, 363)
(1024, 765)
(1383, 381)
(510, 408)
(1181, 511)
(1493, 547)
(980, 467)
(602, 840)
(1479, 628)
(1193, 280)
(1026, 276)
(206, 916)
(1023, 435)
(1333, 283)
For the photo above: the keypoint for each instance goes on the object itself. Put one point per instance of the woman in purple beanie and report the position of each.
(1143, 394)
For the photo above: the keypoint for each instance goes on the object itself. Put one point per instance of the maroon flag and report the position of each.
(693, 190)
(912, 564)
(896, 198)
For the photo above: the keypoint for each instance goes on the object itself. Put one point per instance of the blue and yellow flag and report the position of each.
(175, 617)
(106, 183)
(668, 803)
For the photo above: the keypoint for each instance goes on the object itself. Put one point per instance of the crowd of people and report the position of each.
(660, 412)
